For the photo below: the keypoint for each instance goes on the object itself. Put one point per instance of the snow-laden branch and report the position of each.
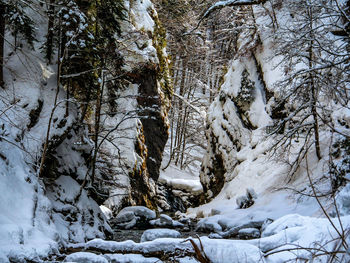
(221, 4)
(202, 113)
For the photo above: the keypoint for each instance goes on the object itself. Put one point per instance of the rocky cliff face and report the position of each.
(142, 101)
(237, 112)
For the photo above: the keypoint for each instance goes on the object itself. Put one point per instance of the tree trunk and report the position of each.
(179, 124)
(2, 41)
(313, 90)
(97, 127)
(49, 37)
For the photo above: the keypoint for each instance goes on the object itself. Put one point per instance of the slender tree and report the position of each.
(2, 42)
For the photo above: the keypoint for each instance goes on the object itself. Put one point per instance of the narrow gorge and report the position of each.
(174, 131)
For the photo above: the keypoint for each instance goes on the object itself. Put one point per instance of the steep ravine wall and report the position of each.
(245, 108)
(39, 215)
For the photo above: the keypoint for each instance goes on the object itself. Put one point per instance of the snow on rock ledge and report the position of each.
(152, 234)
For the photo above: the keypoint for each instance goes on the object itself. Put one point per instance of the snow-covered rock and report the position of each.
(177, 189)
(134, 216)
(85, 257)
(208, 226)
(140, 109)
(343, 200)
(301, 234)
(152, 234)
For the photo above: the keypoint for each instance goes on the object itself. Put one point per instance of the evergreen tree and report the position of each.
(245, 95)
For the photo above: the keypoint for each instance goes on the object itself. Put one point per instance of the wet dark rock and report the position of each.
(248, 233)
(171, 199)
(34, 114)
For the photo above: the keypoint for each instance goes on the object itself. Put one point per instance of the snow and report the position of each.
(218, 251)
(25, 225)
(106, 211)
(35, 223)
(221, 4)
(140, 15)
(77, 217)
(131, 258)
(140, 48)
(152, 234)
(180, 179)
(294, 231)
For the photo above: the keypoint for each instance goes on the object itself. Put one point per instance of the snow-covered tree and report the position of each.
(245, 95)
(315, 65)
(302, 87)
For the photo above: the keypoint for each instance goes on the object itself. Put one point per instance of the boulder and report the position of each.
(134, 217)
(208, 226)
(124, 217)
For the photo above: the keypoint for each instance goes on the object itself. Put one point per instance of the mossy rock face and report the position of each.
(154, 127)
(163, 74)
